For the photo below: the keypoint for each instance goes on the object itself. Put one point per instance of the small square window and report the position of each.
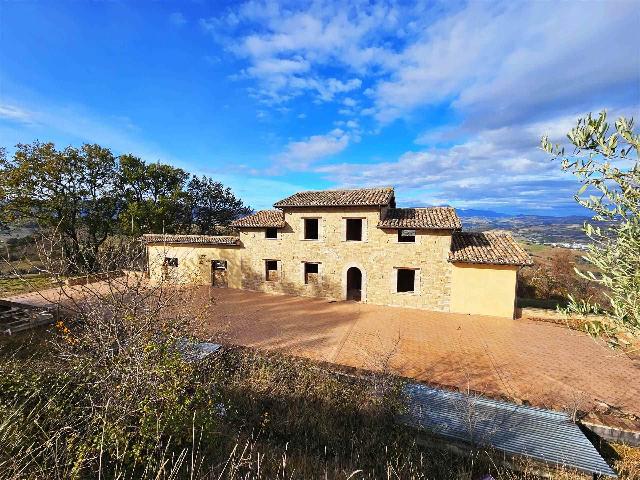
(310, 273)
(354, 229)
(219, 264)
(271, 232)
(406, 280)
(311, 229)
(406, 236)
(271, 270)
(170, 262)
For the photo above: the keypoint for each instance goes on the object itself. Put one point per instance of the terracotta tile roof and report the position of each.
(202, 239)
(339, 198)
(490, 248)
(433, 218)
(263, 218)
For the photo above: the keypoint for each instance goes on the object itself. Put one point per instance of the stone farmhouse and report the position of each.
(351, 245)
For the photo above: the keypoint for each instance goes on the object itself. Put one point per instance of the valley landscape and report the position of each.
(564, 231)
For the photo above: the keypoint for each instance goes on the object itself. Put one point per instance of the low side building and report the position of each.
(351, 245)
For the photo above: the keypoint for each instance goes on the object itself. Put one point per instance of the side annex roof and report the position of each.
(261, 219)
(488, 248)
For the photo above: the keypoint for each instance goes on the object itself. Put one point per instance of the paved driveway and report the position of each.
(544, 364)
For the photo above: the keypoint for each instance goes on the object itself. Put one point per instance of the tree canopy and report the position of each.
(87, 194)
(606, 162)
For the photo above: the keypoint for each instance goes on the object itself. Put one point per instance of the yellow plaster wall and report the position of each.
(194, 263)
(377, 256)
(483, 289)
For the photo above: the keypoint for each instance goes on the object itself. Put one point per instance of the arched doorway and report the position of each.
(354, 284)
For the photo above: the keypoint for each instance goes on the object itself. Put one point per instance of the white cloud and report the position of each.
(496, 168)
(495, 63)
(503, 72)
(321, 34)
(274, 66)
(14, 113)
(507, 62)
(299, 155)
(349, 102)
(77, 124)
(333, 86)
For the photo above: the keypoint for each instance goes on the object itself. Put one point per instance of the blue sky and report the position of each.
(445, 101)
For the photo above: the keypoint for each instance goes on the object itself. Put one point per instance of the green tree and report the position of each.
(155, 197)
(86, 194)
(73, 191)
(606, 162)
(212, 205)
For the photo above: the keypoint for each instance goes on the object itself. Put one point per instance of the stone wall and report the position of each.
(377, 256)
(439, 285)
(194, 263)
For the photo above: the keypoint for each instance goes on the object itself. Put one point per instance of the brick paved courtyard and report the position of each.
(541, 363)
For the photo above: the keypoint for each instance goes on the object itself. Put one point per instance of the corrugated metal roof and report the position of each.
(196, 351)
(542, 435)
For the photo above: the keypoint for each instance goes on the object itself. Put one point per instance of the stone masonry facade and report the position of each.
(351, 244)
(378, 256)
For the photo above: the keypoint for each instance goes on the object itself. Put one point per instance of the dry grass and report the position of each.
(249, 415)
(628, 463)
(24, 284)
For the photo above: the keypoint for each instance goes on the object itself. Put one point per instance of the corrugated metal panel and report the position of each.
(543, 435)
(197, 351)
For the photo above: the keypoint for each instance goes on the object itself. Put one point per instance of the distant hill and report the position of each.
(470, 212)
(17, 231)
(533, 228)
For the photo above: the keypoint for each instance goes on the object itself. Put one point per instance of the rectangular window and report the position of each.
(219, 264)
(310, 273)
(354, 229)
(406, 236)
(311, 229)
(271, 233)
(170, 262)
(271, 270)
(406, 280)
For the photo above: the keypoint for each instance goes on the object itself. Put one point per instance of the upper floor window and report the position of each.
(311, 230)
(406, 236)
(271, 232)
(170, 262)
(354, 229)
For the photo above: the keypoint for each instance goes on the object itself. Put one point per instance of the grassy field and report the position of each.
(536, 249)
(29, 283)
